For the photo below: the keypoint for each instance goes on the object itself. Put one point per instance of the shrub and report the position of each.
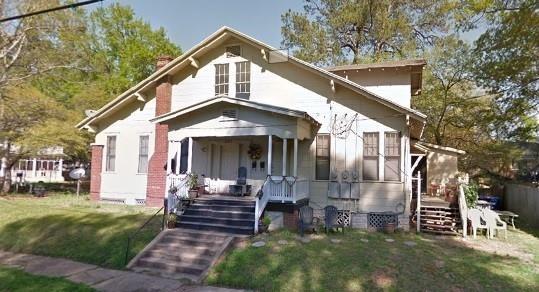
(471, 193)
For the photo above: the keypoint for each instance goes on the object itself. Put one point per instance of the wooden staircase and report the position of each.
(440, 220)
(231, 216)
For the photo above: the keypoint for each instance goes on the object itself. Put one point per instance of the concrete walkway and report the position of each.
(99, 278)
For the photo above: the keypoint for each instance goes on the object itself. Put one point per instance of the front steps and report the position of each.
(181, 254)
(440, 220)
(235, 217)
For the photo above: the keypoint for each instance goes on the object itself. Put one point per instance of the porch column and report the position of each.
(295, 169)
(284, 156)
(190, 155)
(270, 149)
(34, 167)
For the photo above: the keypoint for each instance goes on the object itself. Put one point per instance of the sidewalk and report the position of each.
(98, 278)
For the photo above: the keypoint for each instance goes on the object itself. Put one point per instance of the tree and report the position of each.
(67, 62)
(506, 63)
(349, 31)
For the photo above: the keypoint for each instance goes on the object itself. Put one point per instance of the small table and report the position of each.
(508, 215)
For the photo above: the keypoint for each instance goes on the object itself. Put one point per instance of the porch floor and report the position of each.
(224, 196)
(429, 201)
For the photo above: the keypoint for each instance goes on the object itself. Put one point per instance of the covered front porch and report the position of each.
(232, 142)
(268, 162)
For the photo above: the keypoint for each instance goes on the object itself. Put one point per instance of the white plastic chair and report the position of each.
(494, 222)
(475, 216)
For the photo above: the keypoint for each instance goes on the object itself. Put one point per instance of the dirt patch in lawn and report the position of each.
(382, 279)
(496, 247)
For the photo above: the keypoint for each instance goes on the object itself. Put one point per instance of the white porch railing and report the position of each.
(287, 188)
(463, 208)
(279, 188)
(179, 183)
(417, 180)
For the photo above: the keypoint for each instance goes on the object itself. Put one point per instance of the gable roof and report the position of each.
(215, 39)
(424, 146)
(236, 101)
(418, 63)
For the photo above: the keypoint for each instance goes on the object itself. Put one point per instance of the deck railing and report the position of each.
(463, 208)
(287, 188)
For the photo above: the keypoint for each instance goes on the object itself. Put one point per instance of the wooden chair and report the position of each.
(330, 218)
(241, 188)
(306, 220)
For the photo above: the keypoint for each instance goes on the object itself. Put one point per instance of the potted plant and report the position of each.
(264, 224)
(171, 220)
(389, 227)
(192, 184)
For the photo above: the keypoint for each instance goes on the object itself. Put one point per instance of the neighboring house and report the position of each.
(339, 136)
(46, 166)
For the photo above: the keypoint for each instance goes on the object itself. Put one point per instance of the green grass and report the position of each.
(17, 280)
(73, 227)
(433, 265)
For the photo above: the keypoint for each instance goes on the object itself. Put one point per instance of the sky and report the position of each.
(188, 22)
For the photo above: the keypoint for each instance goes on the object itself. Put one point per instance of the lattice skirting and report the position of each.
(378, 220)
(344, 216)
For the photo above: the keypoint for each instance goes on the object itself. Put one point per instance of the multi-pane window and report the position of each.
(143, 154)
(322, 157)
(221, 79)
(111, 153)
(243, 79)
(370, 156)
(392, 156)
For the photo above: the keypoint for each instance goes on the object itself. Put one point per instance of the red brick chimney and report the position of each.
(157, 167)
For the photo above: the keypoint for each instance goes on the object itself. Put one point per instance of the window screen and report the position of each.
(322, 157)
(392, 156)
(221, 79)
(370, 156)
(111, 153)
(143, 154)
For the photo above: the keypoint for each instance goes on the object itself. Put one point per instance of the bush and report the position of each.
(471, 193)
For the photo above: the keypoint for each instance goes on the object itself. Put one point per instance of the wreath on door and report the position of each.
(255, 151)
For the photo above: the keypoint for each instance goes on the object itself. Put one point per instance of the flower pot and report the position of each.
(193, 194)
(389, 227)
(262, 228)
(171, 224)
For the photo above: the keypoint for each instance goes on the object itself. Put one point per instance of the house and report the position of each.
(304, 134)
(46, 166)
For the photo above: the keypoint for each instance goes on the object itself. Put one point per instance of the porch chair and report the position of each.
(494, 222)
(476, 216)
(241, 187)
(306, 220)
(330, 218)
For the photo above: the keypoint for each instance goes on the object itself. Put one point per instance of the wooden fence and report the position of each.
(523, 200)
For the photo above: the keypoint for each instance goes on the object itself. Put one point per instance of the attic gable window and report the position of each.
(243, 79)
(221, 79)
(233, 51)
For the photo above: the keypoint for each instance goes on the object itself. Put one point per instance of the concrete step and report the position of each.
(189, 234)
(180, 257)
(241, 230)
(176, 248)
(191, 241)
(438, 226)
(220, 213)
(216, 207)
(170, 266)
(217, 220)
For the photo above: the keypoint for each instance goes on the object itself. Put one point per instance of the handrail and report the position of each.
(262, 198)
(463, 208)
(134, 234)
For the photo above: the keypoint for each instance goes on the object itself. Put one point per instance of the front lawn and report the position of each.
(16, 280)
(73, 227)
(366, 261)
